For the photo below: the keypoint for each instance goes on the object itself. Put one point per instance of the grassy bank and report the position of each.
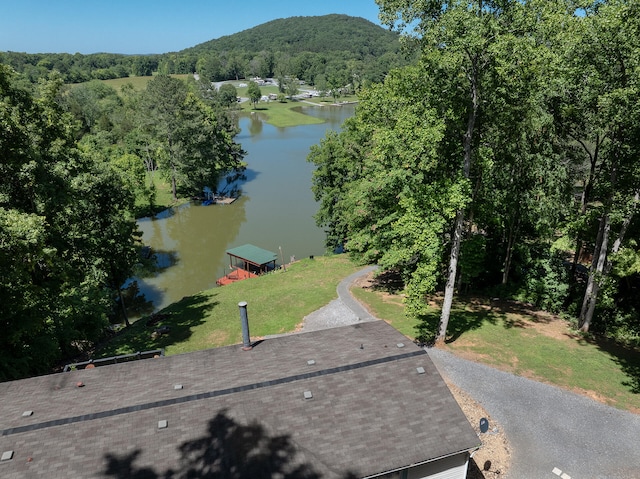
(284, 114)
(277, 302)
(281, 115)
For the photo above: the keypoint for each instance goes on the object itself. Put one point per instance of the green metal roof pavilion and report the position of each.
(252, 256)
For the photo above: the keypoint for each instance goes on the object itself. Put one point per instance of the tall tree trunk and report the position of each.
(174, 190)
(457, 230)
(623, 231)
(595, 276)
(451, 277)
(509, 253)
(124, 308)
(603, 266)
(585, 197)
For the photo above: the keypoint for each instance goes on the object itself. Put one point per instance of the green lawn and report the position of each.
(284, 114)
(139, 83)
(277, 302)
(281, 115)
(163, 199)
(538, 347)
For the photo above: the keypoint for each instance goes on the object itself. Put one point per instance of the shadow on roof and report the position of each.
(228, 450)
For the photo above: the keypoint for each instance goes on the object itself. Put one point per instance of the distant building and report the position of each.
(351, 402)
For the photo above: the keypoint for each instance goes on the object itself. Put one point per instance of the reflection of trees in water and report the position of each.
(228, 450)
(255, 124)
(188, 250)
(203, 233)
(137, 304)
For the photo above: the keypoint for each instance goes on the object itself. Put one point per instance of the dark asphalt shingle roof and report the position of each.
(370, 412)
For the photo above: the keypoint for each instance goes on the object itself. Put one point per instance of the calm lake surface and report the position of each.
(275, 210)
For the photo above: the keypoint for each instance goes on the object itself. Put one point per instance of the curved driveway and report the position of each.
(550, 428)
(553, 433)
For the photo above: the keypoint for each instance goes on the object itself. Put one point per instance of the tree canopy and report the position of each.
(67, 238)
(462, 172)
(78, 165)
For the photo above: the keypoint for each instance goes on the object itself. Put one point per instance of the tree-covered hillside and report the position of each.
(325, 34)
(330, 49)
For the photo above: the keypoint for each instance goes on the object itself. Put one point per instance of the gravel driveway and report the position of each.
(552, 432)
(549, 428)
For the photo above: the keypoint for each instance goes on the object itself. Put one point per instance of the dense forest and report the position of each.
(504, 162)
(353, 49)
(79, 164)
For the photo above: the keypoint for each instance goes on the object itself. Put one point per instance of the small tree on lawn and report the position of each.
(254, 93)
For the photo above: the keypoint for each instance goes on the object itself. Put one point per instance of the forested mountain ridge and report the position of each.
(302, 47)
(323, 34)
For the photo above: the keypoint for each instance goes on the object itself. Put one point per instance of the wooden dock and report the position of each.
(218, 200)
(226, 200)
(237, 274)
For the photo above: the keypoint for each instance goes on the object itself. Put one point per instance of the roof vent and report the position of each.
(27, 413)
(244, 322)
(308, 395)
(162, 424)
(311, 362)
(6, 456)
(177, 386)
(400, 345)
(420, 370)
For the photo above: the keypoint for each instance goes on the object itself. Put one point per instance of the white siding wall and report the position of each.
(454, 467)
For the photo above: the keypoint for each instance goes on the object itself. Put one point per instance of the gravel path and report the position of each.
(553, 433)
(549, 428)
(342, 311)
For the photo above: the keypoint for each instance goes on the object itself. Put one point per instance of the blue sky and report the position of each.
(145, 26)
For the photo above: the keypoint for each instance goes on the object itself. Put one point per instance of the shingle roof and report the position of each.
(240, 412)
(253, 254)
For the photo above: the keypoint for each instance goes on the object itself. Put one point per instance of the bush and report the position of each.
(545, 283)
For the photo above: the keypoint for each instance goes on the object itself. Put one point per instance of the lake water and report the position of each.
(274, 212)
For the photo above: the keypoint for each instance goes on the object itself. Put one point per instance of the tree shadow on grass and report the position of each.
(165, 328)
(467, 315)
(387, 281)
(228, 450)
(627, 358)
(517, 314)
(470, 313)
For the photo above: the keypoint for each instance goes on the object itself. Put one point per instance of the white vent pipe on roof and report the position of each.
(244, 320)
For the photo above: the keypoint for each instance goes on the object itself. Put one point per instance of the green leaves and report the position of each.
(66, 235)
(199, 148)
(254, 93)
(510, 107)
(384, 193)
